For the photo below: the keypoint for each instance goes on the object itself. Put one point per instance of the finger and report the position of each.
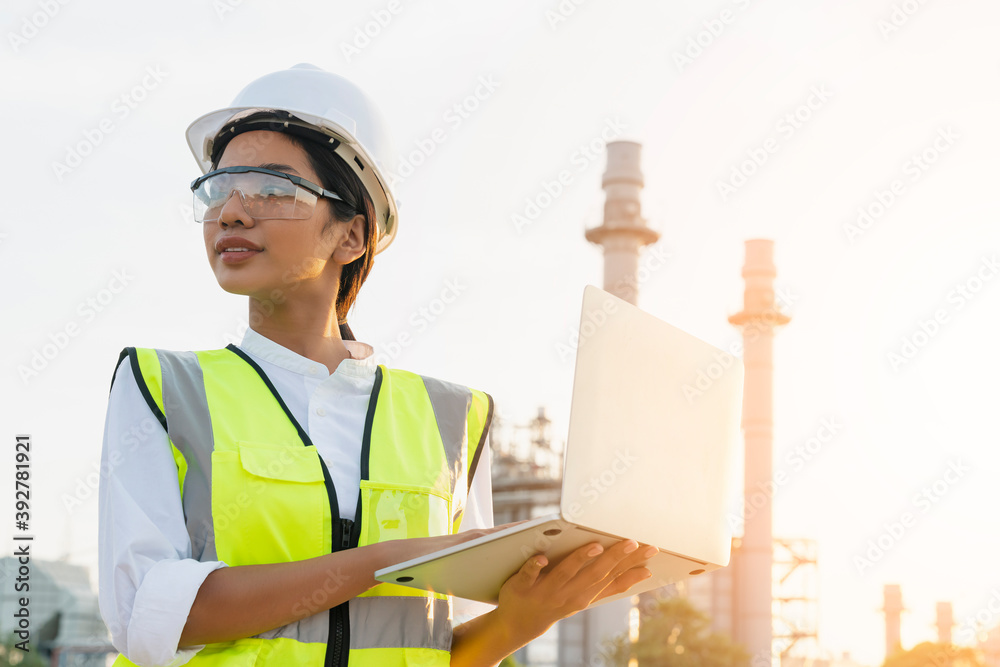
(616, 559)
(571, 565)
(624, 582)
(528, 574)
(625, 556)
(605, 572)
(640, 556)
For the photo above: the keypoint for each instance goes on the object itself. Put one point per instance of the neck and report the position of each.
(305, 326)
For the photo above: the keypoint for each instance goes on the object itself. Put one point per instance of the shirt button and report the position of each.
(321, 412)
(312, 370)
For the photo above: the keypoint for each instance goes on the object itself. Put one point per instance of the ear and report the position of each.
(352, 244)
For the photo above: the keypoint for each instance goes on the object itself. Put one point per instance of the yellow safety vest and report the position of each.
(255, 490)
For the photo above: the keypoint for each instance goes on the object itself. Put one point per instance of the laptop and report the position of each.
(654, 432)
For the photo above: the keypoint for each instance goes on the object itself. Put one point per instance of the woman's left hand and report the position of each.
(530, 602)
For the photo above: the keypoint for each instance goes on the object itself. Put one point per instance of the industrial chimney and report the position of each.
(945, 622)
(584, 638)
(757, 321)
(893, 607)
(624, 230)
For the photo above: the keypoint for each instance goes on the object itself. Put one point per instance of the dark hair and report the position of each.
(335, 175)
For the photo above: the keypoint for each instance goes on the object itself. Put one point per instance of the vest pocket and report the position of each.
(399, 511)
(269, 504)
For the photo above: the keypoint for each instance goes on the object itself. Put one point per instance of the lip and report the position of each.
(235, 242)
(236, 256)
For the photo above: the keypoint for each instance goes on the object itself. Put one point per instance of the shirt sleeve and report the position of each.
(148, 579)
(478, 514)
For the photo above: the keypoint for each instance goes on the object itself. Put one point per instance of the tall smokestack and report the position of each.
(624, 231)
(945, 622)
(622, 234)
(757, 321)
(892, 607)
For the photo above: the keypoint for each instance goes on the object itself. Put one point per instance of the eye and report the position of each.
(272, 191)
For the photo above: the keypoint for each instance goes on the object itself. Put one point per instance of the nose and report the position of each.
(234, 211)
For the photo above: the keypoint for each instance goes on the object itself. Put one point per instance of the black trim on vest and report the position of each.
(117, 366)
(482, 439)
(263, 376)
(340, 620)
(366, 439)
(133, 358)
(366, 446)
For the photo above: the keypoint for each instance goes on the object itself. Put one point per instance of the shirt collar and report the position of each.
(361, 364)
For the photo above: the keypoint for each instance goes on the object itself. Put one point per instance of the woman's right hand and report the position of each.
(531, 601)
(398, 551)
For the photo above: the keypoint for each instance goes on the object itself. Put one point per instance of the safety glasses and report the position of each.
(263, 192)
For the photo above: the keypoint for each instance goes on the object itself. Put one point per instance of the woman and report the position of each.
(253, 491)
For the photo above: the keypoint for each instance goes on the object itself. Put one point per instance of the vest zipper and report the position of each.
(338, 657)
(347, 525)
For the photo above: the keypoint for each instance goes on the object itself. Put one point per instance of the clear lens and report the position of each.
(263, 196)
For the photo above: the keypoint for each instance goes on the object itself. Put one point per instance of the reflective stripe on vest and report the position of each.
(254, 490)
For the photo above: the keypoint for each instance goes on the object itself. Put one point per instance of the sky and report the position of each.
(859, 135)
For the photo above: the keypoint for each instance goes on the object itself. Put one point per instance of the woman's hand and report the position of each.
(532, 600)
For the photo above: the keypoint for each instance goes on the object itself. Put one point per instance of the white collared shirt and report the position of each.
(148, 578)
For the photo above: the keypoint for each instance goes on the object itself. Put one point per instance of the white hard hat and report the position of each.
(325, 102)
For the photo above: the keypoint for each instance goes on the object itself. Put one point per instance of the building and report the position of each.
(65, 620)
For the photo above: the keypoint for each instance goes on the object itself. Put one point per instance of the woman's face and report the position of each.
(293, 254)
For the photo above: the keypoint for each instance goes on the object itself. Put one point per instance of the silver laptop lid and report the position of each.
(645, 458)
